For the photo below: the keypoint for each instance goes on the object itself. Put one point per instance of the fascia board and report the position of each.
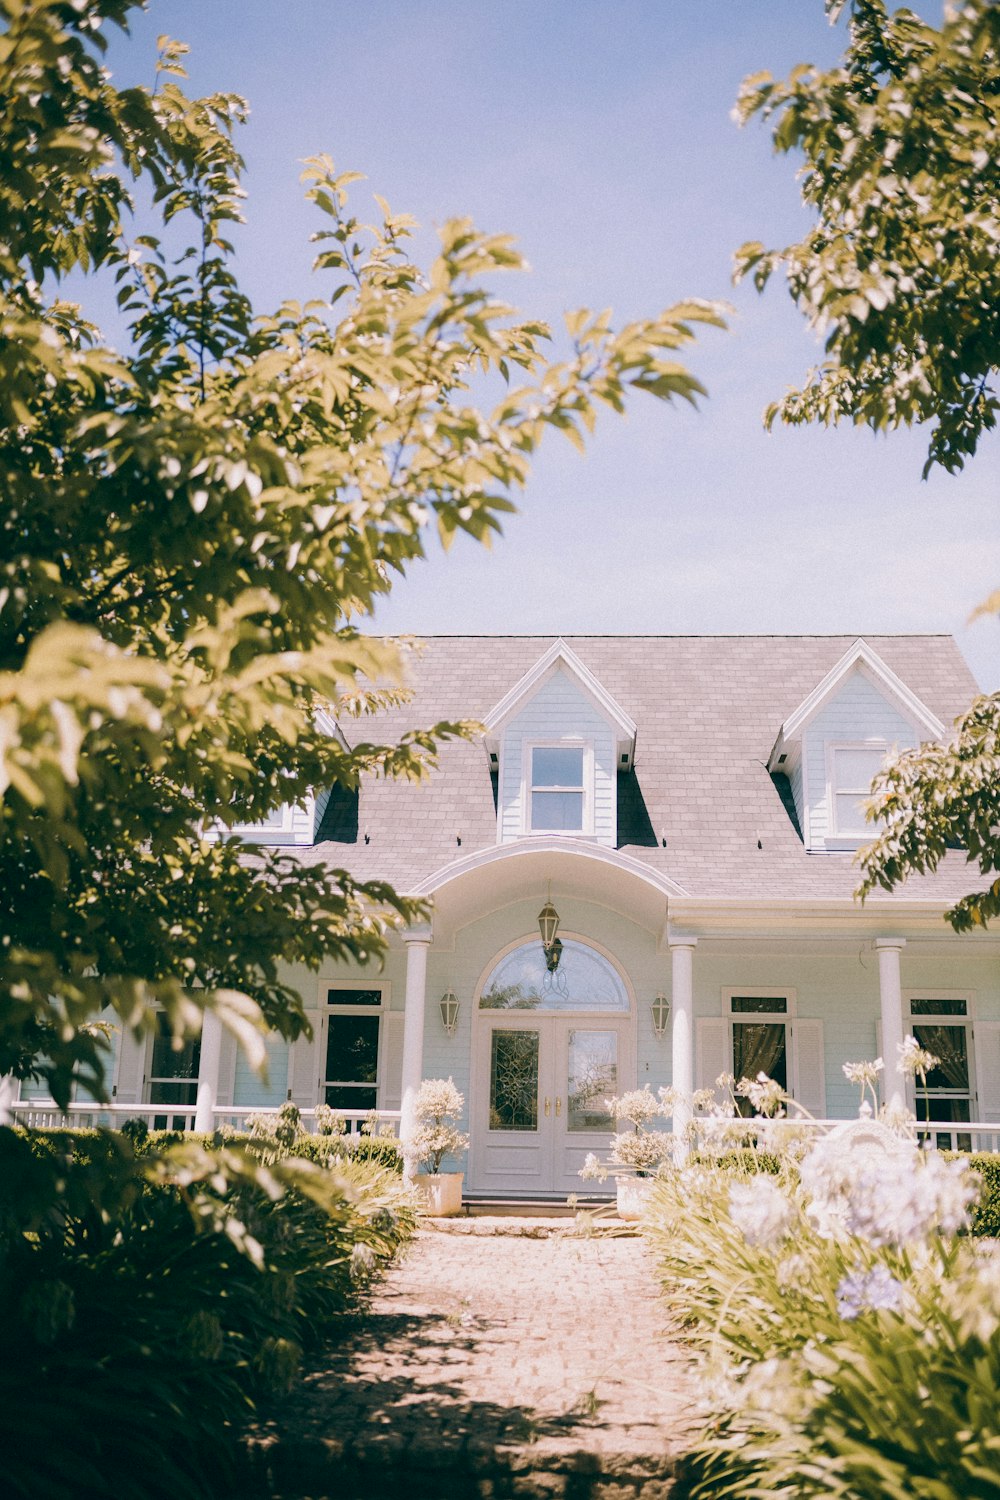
(559, 655)
(882, 677)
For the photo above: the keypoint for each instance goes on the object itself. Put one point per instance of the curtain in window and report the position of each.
(759, 1048)
(948, 1045)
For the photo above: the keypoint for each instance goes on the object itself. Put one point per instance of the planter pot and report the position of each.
(632, 1195)
(441, 1193)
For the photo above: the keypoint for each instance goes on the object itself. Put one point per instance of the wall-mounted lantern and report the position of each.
(660, 1008)
(450, 1007)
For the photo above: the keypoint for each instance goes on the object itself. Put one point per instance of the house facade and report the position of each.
(688, 810)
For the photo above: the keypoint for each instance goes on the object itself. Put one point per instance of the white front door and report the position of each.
(540, 1086)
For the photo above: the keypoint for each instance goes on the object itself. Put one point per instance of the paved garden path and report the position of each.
(493, 1365)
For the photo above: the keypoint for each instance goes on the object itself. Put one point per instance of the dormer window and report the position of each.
(853, 768)
(558, 788)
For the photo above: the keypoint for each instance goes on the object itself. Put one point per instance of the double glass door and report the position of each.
(541, 1086)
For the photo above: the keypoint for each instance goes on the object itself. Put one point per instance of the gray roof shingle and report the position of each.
(707, 710)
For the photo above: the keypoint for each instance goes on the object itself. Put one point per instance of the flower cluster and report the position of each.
(761, 1210)
(892, 1200)
(914, 1059)
(863, 1291)
(643, 1150)
(638, 1107)
(765, 1094)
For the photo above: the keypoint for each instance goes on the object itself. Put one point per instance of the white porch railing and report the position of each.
(938, 1135)
(40, 1115)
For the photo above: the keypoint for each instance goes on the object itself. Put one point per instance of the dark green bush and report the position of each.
(146, 1320)
(743, 1162)
(986, 1214)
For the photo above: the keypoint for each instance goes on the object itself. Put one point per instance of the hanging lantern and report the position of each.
(548, 926)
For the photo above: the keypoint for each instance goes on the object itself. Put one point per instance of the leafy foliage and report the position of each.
(901, 147)
(900, 271)
(933, 798)
(192, 530)
(831, 1366)
(154, 1316)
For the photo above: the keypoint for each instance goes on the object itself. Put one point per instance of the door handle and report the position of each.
(558, 1107)
(548, 1106)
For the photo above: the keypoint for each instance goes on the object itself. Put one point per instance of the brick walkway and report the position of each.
(494, 1366)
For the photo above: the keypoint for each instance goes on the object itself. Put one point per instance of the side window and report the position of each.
(942, 1027)
(852, 770)
(171, 1075)
(557, 793)
(350, 1048)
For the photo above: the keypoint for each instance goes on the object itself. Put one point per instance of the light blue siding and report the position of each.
(249, 1090)
(559, 712)
(857, 713)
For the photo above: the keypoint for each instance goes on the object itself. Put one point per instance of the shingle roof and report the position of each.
(707, 710)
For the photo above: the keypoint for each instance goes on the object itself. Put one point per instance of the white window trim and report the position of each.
(569, 742)
(325, 1007)
(147, 1070)
(786, 1016)
(835, 839)
(968, 1021)
(264, 829)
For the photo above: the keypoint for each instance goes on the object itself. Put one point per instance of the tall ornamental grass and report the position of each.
(151, 1296)
(849, 1328)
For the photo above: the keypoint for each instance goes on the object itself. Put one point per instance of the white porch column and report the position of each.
(208, 1073)
(418, 942)
(8, 1094)
(891, 1000)
(682, 948)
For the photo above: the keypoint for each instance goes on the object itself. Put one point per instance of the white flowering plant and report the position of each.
(638, 1150)
(830, 1298)
(438, 1105)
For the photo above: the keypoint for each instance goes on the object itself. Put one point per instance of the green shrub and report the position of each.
(162, 1296)
(986, 1214)
(851, 1338)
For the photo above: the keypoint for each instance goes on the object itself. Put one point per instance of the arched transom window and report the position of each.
(585, 980)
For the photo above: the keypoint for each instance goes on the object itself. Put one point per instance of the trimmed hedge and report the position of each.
(986, 1214)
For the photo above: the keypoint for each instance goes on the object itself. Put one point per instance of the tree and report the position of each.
(193, 530)
(901, 270)
(902, 165)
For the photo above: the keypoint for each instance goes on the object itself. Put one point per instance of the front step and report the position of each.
(530, 1208)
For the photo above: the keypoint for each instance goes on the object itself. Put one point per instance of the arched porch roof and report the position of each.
(492, 878)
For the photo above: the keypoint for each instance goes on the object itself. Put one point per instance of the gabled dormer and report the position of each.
(556, 743)
(833, 744)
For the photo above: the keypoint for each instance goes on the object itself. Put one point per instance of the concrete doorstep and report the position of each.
(490, 1367)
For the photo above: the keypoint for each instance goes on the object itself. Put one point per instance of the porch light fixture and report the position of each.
(450, 1007)
(660, 1008)
(548, 926)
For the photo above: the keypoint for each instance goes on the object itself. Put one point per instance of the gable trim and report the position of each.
(558, 657)
(859, 657)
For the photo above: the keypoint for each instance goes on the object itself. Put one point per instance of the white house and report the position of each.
(690, 809)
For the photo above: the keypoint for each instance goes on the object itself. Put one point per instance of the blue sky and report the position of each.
(600, 135)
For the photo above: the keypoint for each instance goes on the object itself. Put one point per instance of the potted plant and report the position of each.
(636, 1155)
(439, 1104)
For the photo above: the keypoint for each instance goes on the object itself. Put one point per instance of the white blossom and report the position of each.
(863, 1291)
(761, 1210)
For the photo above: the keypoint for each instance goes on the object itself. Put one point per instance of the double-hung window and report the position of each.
(558, 791)
(350, 1048)
(852, 770)
(942, 1027)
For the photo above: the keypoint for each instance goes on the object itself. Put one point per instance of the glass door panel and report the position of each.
(514, 1058)
(591, 1079)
